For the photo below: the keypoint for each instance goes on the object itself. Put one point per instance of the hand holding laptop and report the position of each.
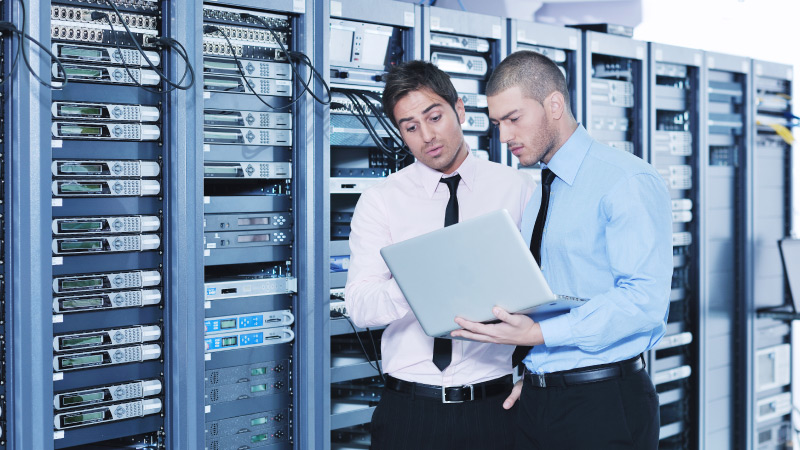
(513, 329)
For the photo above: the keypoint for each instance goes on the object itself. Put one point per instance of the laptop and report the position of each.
(468, 268)
(790, 254)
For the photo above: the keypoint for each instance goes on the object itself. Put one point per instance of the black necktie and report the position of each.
(536, 248)
(443, 348)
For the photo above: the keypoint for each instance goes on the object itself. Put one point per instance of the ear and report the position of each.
(556, 105)
(460, 112)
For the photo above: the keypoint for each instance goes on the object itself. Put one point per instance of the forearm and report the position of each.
(374, 302)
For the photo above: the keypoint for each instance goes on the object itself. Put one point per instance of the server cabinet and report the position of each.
(564, 47)
(675, 141)
(768, 340)
(4, 314)
(615, 91)
(468, 47)
(366, 39)
(724, 236)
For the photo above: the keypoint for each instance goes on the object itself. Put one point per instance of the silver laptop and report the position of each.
(790, 254)
(468, 268)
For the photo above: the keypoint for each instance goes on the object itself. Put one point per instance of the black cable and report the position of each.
(363, 117)
(155, 69)
(207, 29)
(398, 139)
(399, 152)
(292, 63)
(375, 366)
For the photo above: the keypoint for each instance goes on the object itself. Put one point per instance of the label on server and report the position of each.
(261, 86)
(269, 319)
(103, 281)
(120, 168)
(112, 356)
(107, 74)
(105, 188)
(106, 394)
(93, 54)
(460, 42)
(104, 111)
(119, 224)
(104, 414)
(93, 245)
(106, 131)
(247, 136)
(221, 240)
(106, 338)
(265, 170)
(233, 341)
(110, 300)
(250, 119)
(460, 64)
(251, 68)
(235, 288)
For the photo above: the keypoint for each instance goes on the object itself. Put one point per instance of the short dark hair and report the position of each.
(412, 76)
(535, 74)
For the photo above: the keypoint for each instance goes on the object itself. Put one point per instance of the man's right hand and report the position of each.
(514, 396)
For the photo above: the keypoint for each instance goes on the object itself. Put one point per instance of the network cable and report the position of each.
(396, 147)
(21, 36)
(169, 42)
(377, 365)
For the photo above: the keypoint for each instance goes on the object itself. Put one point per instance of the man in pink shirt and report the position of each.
(439, 393)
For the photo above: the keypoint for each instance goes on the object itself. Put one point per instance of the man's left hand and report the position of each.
(513, 329)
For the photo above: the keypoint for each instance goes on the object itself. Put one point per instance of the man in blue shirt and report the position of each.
(601, 228)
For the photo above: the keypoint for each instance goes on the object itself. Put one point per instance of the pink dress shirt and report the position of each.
(409, 203)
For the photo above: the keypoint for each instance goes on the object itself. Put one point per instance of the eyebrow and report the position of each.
(406, 119)
(509, 114)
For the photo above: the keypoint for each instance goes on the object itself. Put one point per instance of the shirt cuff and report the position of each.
(398, 299)
(557, 331)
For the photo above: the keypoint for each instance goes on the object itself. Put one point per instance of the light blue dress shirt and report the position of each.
(607, 238)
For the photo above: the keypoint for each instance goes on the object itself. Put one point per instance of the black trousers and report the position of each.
(614, 414)
(406, 422)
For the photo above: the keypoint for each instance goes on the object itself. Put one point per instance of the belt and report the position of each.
(584, 375)
(452, 394)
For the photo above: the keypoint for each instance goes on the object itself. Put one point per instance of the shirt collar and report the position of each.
(430, 177)
(567, 160)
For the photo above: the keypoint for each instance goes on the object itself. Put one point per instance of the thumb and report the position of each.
(514, 396)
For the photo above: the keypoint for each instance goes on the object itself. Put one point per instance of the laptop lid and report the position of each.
(790, 254)
(465, 270)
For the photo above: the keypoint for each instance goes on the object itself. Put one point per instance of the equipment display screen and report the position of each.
(81, 52)
(93, 283)
(222, 83)
(81, 226)
(76, 303)
(258, 388)
(259, 421)
(227, 324)
(227, 170)
(75, 399)
(82, 360)
(230, 341)
(253, 238)
(258, 371)
(84, 72)
(375, 47)
(254, 221)
(83, 418)
(80, 168)
(81, 188)
(76, 130)
(81, 111)
(341, 44)
(81, 245)
(81, 341)
(259, 437)
(227, 119)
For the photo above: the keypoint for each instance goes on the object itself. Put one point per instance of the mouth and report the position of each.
(516, 150)
(435, 151)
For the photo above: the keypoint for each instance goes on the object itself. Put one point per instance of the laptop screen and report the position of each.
(790, 253)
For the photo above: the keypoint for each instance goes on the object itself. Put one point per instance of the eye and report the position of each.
(411, 128)
(514, 119)
(436, 118)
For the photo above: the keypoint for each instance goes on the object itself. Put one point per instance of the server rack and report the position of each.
(676, 109)
(615, 91)
(768, 340)
(468, 47)
(564, 47)
(724, 236)
(366, 39)
(3, 239)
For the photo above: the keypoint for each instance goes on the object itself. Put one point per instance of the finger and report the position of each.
(471, 336)
(475, 327)
(502, 314)
(514, 396)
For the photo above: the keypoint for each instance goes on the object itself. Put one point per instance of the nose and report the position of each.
(505, 133)
(426, 133)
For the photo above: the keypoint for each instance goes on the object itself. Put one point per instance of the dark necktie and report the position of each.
(536, 248)
(443, 348)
